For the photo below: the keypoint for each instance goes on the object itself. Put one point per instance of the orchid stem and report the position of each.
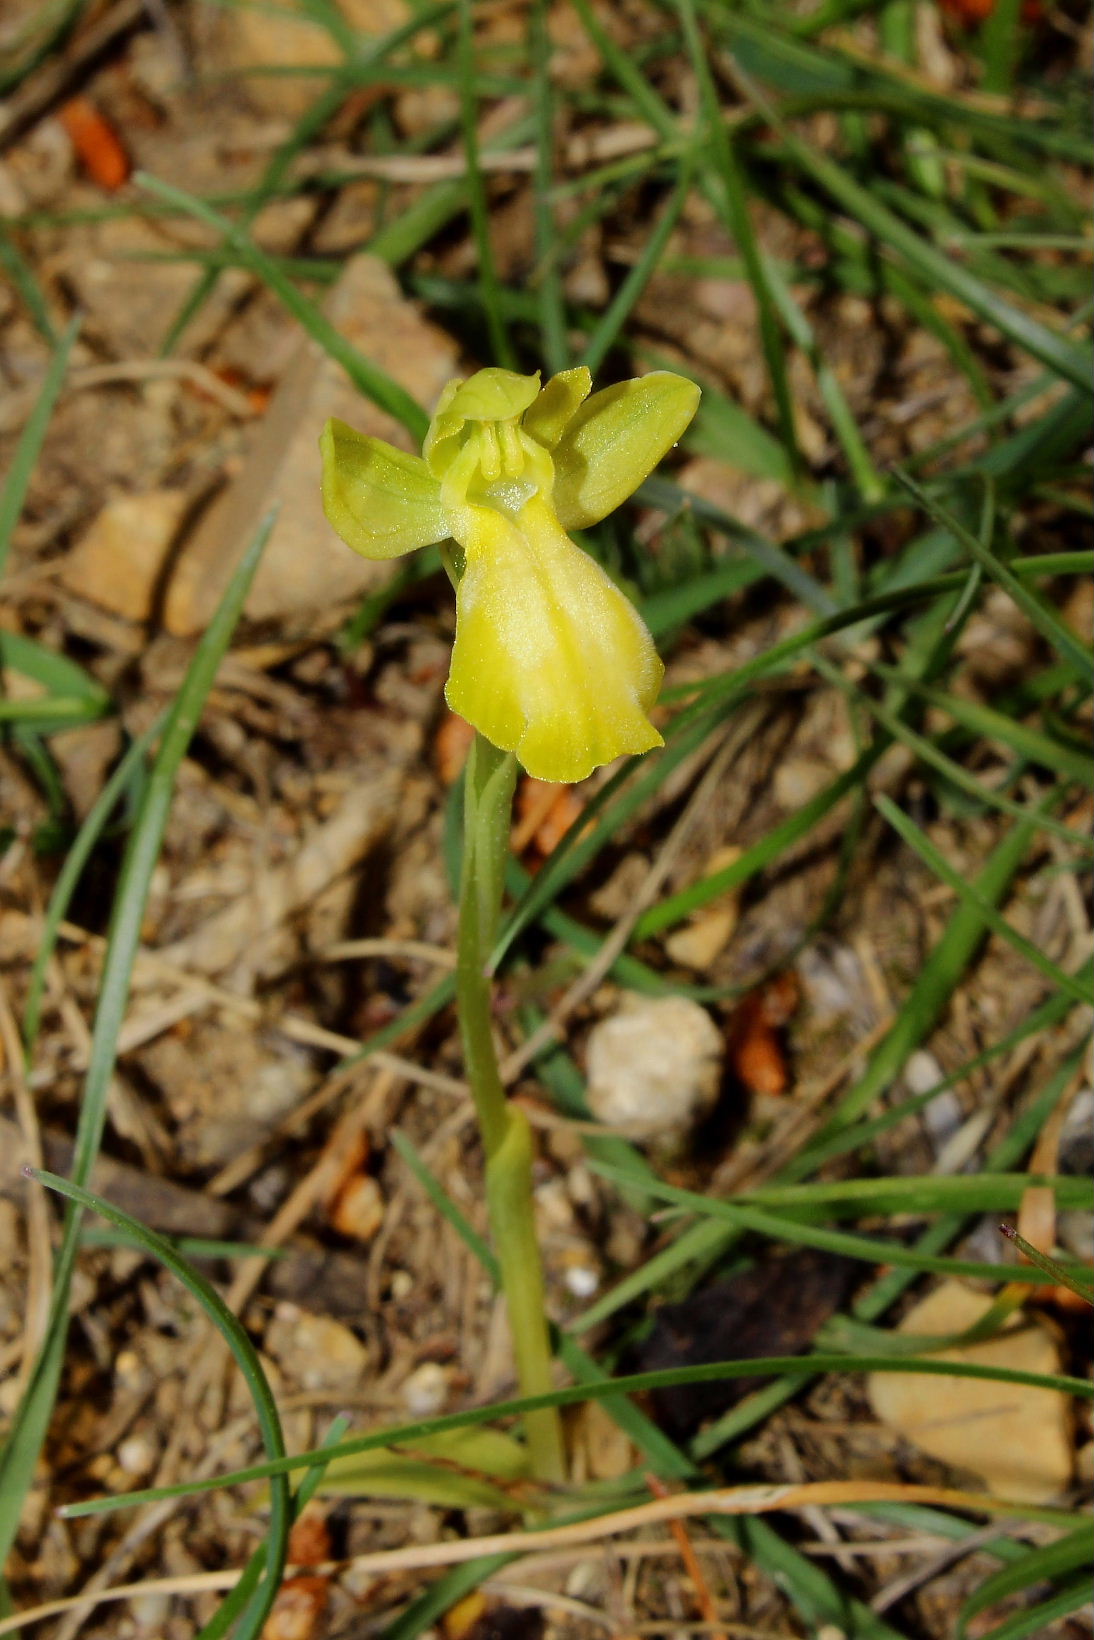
(506, 1135)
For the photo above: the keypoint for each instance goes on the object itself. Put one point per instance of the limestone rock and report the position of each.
(655, 1068)
(315, 1352)
(253, 37)
(120, 563)
(705, 936)
(1015, 1439)
(305, 566)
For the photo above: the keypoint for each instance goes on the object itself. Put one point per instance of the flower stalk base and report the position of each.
(506, 1136)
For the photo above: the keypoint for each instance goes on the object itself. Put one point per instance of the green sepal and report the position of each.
(382, 501)
(615, 441)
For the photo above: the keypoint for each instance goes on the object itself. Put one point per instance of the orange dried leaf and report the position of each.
(298, 1609)
(755, 1052)
(358, 1211)
(451, 746)
(97, 145)
(565, 811)
(310, 1541)
(534, 802)
(460, 1619)
(352, 1162)
(545, 813)
(780, 998)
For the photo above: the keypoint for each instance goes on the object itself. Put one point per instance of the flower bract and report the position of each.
(551, 660)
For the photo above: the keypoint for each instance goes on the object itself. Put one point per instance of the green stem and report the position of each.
(506, 1136)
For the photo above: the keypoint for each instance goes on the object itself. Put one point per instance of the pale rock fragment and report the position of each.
(600, 1450)
(798, 780)
(305, 567)
(85, 756)
(119, 563)
(707, 933)
(250, 39)
(655, 1068)
(1015, 1438)
(315, 1352)
(359, 1210)
(426, 1390)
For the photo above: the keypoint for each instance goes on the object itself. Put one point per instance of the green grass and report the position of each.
(825, 174)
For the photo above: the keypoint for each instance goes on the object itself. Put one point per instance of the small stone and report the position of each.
(836, 989)
(250, 38)
(402, 1285)
(359, 1209)
(119, 563)
(797, 781)
(1015, 1438)
(315, 1352)
(943, 1119)
(580, 1277)
(137, 1456)
(426, 1390)
(922, 1072)
(710, 930)
(655, 1068)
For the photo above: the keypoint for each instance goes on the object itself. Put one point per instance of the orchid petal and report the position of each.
(557, 405)
(615, 441)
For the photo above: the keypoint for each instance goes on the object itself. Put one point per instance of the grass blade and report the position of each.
(937, 980)
(69, 875)
(639, 1383)
(500, 344)
(30, 442)
(1066, 359)
(1038, 613)
(31, 1420)
(968, 895)
(247, 1359)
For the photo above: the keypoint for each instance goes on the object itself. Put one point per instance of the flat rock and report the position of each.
(305, 566)
(1016, 1439)
(257, 38)
(120, 562)
(315, 1352)
(706, 934)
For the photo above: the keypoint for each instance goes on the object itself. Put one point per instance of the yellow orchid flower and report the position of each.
(551, 661)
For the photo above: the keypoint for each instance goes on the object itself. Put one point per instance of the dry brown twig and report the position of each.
(741, 1500)
(39, 1249)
